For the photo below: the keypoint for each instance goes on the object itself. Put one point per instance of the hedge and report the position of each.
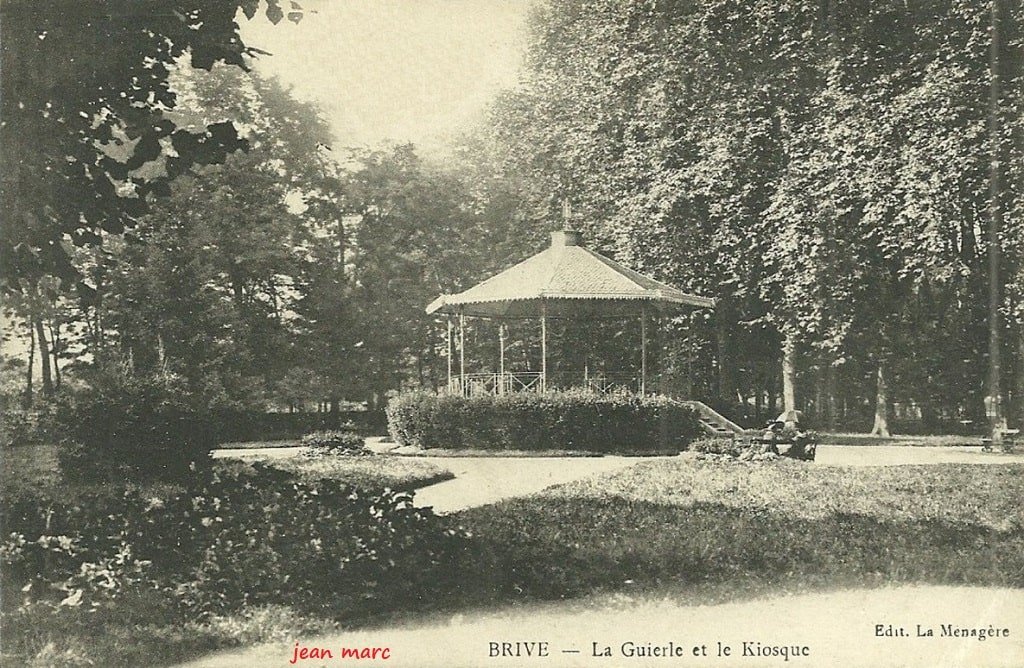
(569, 420)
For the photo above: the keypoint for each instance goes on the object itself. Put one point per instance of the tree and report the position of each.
(85, 104)
(818, 167)
(207, 283)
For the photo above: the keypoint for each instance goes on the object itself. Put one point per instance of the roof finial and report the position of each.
(566, 212)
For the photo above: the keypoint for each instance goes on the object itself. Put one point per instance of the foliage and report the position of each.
(728, 450)
(231, 539)
(257, 426)
(570, 420)
(19, 427)
(716, 446)
(87, 108)
(344, 441)
(135, 426)
(821, 170)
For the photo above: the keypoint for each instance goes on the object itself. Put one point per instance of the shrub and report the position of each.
(21, 427)
(231, 539)
(334, 443)
(716, 446)
(137, 427)
(570, 420)
(727, 449)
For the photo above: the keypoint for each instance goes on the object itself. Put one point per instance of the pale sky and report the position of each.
(396, 70)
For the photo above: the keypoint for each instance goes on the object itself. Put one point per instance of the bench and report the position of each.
(1011, 439)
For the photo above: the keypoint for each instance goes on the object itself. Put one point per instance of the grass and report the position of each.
(398, 473)
(704, 532)
(143, 632)
(976, 494)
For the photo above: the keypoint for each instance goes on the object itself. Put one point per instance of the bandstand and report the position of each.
(566, 280)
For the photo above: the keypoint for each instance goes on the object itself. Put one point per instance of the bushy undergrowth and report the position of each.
(134, 427)
(727, 449)
(230, 540)
(22, 427)
(571, 420)
(338, 442)
(717, 446)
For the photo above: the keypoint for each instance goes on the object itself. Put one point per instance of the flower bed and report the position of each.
(571, 420)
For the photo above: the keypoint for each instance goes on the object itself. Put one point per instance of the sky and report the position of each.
(396, 71)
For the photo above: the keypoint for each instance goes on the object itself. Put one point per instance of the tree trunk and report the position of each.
(819, 396)
(55, 352)
(29, 395)
(881, 426)
(342, 243)
(726, 382)
(994, 384)
(44, 358)
(1020, 379)
(788, 375)
(830, 391)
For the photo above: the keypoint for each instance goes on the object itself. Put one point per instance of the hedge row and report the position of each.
(570, 420)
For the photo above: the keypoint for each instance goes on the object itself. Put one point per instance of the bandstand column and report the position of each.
(643, 349)
(543, 345)
(462, 353)
(501, 367)
(449, 342)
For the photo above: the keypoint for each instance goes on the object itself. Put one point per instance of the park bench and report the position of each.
(799, 444)
(1011, 438)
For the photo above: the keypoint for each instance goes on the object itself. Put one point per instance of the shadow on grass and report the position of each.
(563, 548)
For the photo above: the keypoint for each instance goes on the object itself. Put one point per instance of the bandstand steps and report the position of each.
(714, 423)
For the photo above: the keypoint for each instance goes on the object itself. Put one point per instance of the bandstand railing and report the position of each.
(471, 384)
(609, 384)
(475, 384)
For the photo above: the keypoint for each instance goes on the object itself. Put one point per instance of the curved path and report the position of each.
(838, 629)
(482, 480)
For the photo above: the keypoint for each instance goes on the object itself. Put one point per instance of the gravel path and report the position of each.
(482, 480)
(838, 629)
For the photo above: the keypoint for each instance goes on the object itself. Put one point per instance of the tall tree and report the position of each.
(84, 102)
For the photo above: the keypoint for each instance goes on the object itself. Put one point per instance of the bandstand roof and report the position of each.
(564, 279)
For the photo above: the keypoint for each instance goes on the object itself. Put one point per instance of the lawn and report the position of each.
(707, 532)
(399, 473)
